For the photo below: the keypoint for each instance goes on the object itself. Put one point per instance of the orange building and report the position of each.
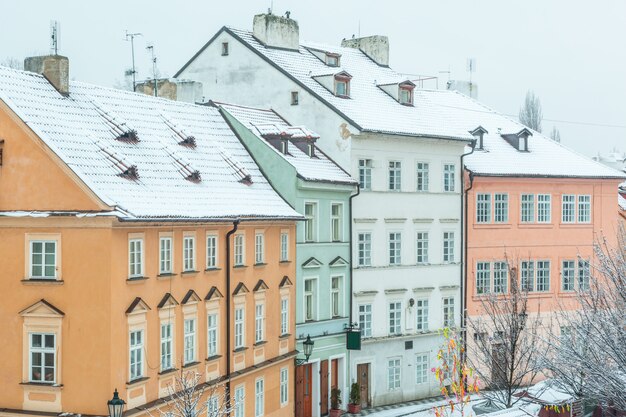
(139, 239)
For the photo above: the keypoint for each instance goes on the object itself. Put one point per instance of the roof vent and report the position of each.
(120, 129)
(127, 169)
(183, 165)
(183, 138)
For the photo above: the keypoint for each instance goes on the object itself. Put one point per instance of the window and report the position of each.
(211, 251)
(448, 312)
(213, 407)
(190, 341)
(448, 178)
(365, 174)
(239, 328)
(259, 248)
(188, 253)
(43, 259)
(406, 96)
(336, 215)
(135, 257)
(528, 208)
(42, 352)
(393, 374)
(240, 405)
(483, 277)
(422, 176)
(584, 209)
(239, 250)
(259, 397)
(335, 296)
(284, 147)
(212, 334)
(332, 60)
(310, 150)
(365, 320)
(342, 87)
(165, 255)
(568, 208)
(422, 247)
(543, 275)
(364, 249)
(224, 48)
(395, 318)
(567, 275)
(259, 323)
(500, 277)
(284, 386)
(284, 316)
(483, 208)
(501, 205)
(310, 224)
(395, 247)
(448, 246)
(395, 175)
(421, 368)
(421, 308)
(284, 246)
(544, 208)
(583, 275)
(136, 354)
(309, 299)
(295, 100)
(166, 346)
(528, 275)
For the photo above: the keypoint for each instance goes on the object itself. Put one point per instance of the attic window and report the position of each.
(284, 147)
(518, 140)
(184, 166)
(120, 129)
(405, 95)
(182, 137)
(478, 134)
(224, 48)
(310, 150)
(294, 98)
(342, 85)
(332, 60)
(125, 167)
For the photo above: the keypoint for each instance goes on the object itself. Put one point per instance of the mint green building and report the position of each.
(318, 188)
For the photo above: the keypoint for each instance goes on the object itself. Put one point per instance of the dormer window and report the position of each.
(518, 140)
(406, 96)
(284, 146)
(311, 150)
(523, 143)
(332, 60)
(342, 84)
(399, 90)
(478, 134)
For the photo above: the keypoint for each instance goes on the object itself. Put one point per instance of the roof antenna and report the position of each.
(133, 71)
(154, 70)
(55, 33)
(271, 8)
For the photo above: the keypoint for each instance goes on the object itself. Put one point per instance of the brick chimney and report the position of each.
(376, 47)
(173, 89)
(277, 31)
(55, 68)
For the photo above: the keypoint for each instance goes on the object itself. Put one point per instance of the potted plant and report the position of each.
(335, 402)
(354, 406)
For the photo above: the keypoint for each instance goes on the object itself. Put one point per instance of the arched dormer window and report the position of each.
(405, 93)
(342, 84)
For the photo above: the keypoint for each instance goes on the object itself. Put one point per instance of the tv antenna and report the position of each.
(471, 68)
(449, 72)
(131, 37)
(55, 34)
(154, 70)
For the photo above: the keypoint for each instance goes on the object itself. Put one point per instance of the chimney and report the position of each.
(277, 31)
(55, 68)
(173, 89)
(376, 47)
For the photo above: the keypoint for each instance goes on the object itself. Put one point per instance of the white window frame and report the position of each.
(167, 361)
(394, 374)
(448, 307)
(311, 223)
(259, 397)
(284, 246)
(527, 275)
(500, 277)
(365, 319)
(284, 386)
(394, 248)
(310, 297)
(421, 368)
(584, 208)
(189, 253)
(364, 249)
(544, 208)
(43, 351)
(135, 258)
(527, 208)
(240, 327)
(501, 208)
(211, 251)
(539, 275)
(568, 208)
(422, 174)
(190, 340)
(421, 247)
(448, 250)
(394, 176)
(213, 335)
(165, 255)
(483, 208)
(259, 248)
(483, 277)
(336, 294)
(336, 222)
(43, 264)
(284, 316)
(421, 314)
(240, 401)
(583, 274)
(135, 350)
(239, 243)
(394, 317)
(259, 322)
(449, 178)
(365, 174)
(568, 275)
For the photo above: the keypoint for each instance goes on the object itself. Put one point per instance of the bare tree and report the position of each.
(555, 135)
(12, 62)
(589, 360)
(506, 345)
(530, 114)
(190, 397)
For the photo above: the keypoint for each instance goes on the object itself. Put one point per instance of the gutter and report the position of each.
(464, 228)
(228, 312)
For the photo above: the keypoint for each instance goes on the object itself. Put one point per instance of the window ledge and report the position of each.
(166, 275)
(260, 264)
(167, 371)
(42, 281)
(535, 225)
(190, 272)
(240, 266)
(137, 381)
(212, 269)
(492, 225)
(240, 349)
(135, 279)
(191, 364)
(576, 225)
(259, 344)
(284, 262)
(213, 358)
(284, 336)
(51, 385)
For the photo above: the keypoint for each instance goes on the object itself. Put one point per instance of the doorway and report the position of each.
(363, 375)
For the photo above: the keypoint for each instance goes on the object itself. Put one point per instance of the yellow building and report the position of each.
(138, 238)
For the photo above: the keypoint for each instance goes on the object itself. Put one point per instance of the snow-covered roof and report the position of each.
(435, 113)
(548, 393)
(267, 122)
(162, 176)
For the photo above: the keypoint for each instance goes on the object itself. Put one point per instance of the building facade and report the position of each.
(406, 221)
(318, 188)
(141, 242)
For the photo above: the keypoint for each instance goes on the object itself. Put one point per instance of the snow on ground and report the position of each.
(522, 409)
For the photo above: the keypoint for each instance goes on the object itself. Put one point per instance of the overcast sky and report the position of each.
(572, 53)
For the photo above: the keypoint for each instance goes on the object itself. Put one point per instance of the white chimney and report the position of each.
(376, 47)
(276, 31)
(55, 68)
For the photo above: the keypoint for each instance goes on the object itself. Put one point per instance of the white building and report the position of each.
(406, 228)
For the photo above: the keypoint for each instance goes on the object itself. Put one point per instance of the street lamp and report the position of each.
(308, 349)
(116, 405)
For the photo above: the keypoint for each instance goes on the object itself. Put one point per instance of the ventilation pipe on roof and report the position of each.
(376, 47)
(55, 68)
(276, 31)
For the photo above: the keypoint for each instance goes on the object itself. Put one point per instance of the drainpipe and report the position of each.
(358, 191)
(464, 228)
(228, 297)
